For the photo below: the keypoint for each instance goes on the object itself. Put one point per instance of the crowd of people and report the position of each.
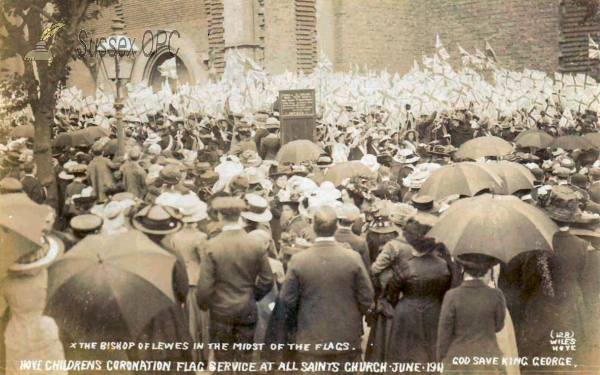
(270, 245)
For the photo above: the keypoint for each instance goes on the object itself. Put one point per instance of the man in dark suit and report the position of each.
(594, 189)
(270, 144)
(347, 215)
(31, 185)
(329, 288)
(235, 274)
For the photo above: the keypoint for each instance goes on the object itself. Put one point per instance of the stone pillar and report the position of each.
(326, 28)
(240, 26)
(280, 36)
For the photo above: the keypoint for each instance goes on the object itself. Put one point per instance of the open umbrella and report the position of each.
(110, 286)
(514, 176)
(467, 178)
(296, 152)
(572, 142)
(533, 138)
(484, 146)
(594, 138)
(501, 226)
(342, 171)
(22, 224)
(23, 131)
(83, 137)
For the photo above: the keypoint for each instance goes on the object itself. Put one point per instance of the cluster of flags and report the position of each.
(434, 85)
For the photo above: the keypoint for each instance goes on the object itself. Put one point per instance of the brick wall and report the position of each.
(574, 40)
(392, 33)
(280, 36)
(148, 13)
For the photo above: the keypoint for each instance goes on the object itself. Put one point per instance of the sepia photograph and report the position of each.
(299, 187)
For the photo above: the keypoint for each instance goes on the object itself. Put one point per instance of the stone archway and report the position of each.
(152, 74)
(187, 57)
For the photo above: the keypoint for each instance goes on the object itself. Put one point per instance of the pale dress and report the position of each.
(29, 334)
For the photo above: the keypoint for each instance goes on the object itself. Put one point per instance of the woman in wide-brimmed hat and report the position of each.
(554, 299)
(188, 243)
(422, 279)
(25, 331)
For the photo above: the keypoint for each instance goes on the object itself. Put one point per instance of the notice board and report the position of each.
(297, 115)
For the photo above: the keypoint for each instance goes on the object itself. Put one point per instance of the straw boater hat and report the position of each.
(324, 161)
(156, 219)
(52, 248)
(86, 196)
(406, 156)
(221, 203)
(83, 225)
(424, 203)
(257, 209)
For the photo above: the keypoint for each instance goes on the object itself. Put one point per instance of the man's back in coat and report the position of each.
(234, 275)
(329, 287)
(358, 244)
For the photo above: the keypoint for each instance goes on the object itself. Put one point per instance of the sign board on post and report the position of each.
(297, 115)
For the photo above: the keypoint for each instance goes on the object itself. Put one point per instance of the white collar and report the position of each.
(325, 239)
(231, 227)
(30, 175)
(469, 277)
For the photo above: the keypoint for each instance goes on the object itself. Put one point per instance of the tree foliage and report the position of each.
(24, 22)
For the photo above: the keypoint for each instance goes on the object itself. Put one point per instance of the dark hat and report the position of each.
(538, 174)
(299, 170)
(201, 168)
(324, 161)
(86, 223)
(170, 174)
(579, 180)
(222, 203)
(424, 203)
(209, 177)
(10, 185)
(239, 182)
(12, 158)
(474, 261)
(157, 219)
(382, 224)
(282, 170)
